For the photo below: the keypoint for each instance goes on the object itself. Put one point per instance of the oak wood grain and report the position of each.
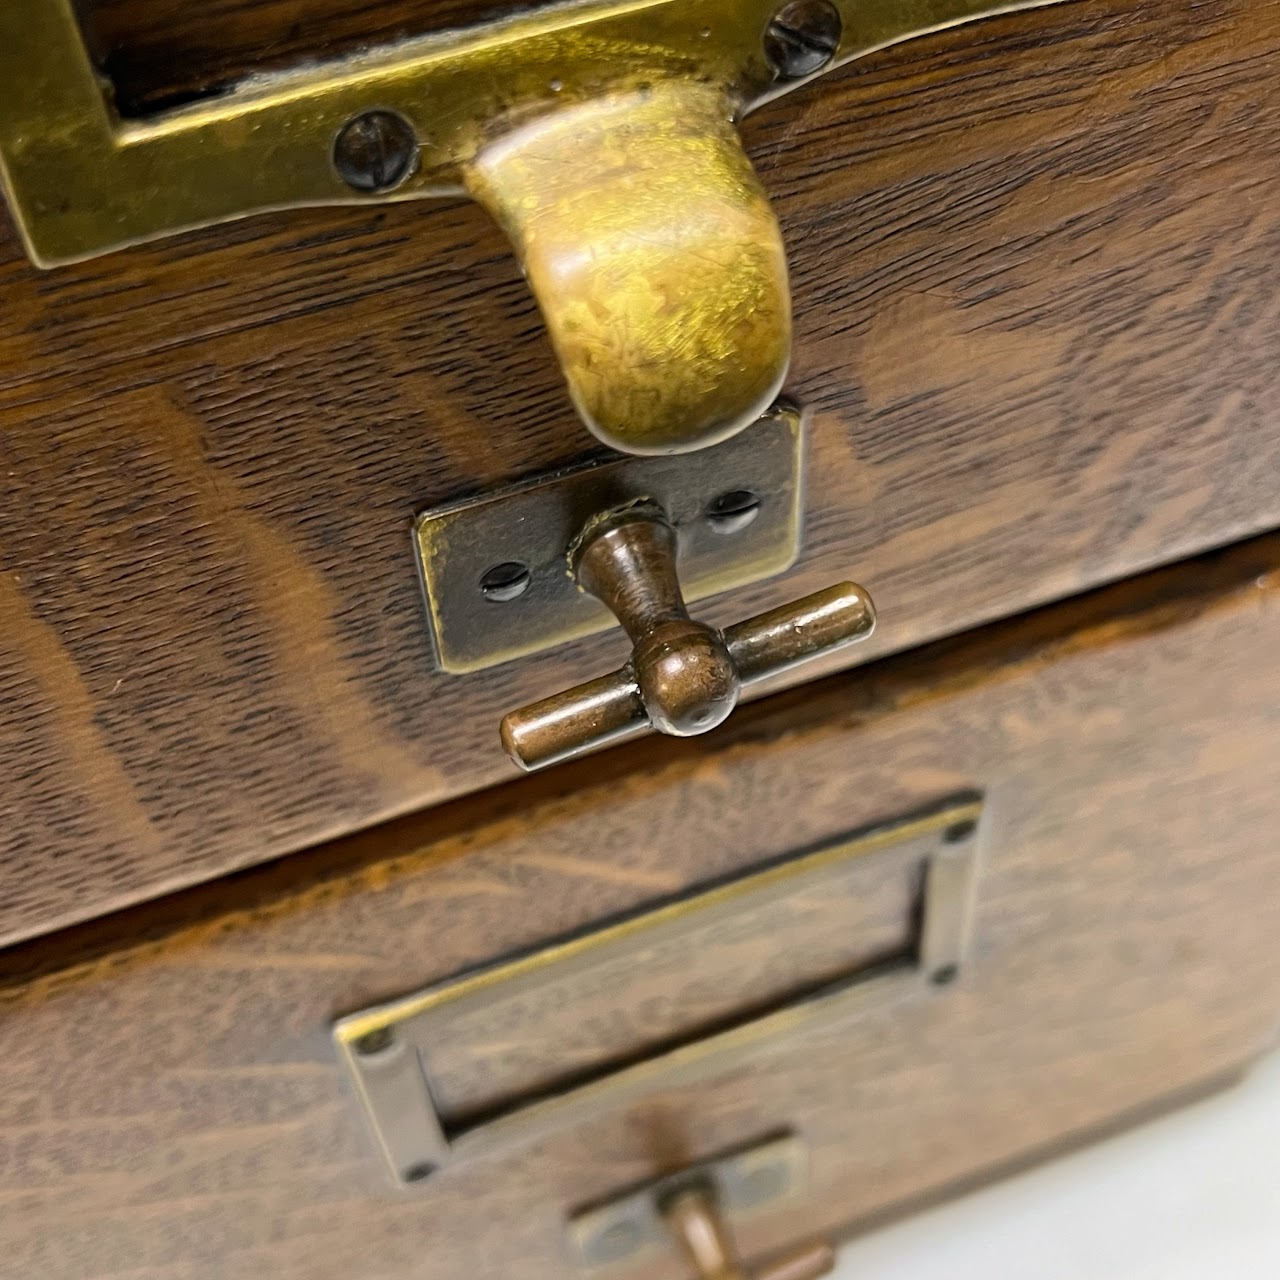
(170, 1105)
(1037, 279)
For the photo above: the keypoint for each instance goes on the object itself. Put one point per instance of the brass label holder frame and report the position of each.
(384, 1048)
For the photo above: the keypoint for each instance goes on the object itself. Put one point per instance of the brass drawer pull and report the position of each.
(684, 677)
(601, 136)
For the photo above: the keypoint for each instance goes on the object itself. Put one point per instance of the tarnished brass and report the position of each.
(387, 1049)
(684, 677)
(647, 1220)
(693, 1214)
(656, 258)
(692, 1208)
(533, 524)
(600, 134)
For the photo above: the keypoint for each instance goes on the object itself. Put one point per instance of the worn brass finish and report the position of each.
(684, 674)
(386, 1048)
(740, 1183)
(684, 677)
(656, 258)
(601, 135)
(533, 524)
(693, 1214)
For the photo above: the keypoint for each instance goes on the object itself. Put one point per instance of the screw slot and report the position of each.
(802, 37)
(419, 1172)
(733, 511)
(960, 832)
(375, 151)
(505, 581)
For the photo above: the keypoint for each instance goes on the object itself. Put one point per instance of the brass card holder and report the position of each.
(432, 1102)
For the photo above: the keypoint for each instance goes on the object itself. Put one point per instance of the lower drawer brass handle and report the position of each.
(684, 677)
(694, 1219)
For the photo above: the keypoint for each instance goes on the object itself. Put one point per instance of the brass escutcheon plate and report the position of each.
(534, 524)
(747, 1180)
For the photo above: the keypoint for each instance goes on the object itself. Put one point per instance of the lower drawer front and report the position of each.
(173, 1105)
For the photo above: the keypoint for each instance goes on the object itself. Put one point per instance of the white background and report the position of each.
(1192, 1196)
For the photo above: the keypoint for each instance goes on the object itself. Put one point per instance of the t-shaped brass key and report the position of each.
(684, 677)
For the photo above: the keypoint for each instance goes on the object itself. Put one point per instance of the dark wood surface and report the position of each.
(1036, 272)
(170, 1104)
(163, 52)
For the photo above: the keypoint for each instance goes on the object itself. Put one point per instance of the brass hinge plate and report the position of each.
(531, 527)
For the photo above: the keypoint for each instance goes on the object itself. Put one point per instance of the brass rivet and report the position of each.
(802, 37)
(376, 151)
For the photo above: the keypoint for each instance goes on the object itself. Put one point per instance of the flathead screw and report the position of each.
(375, 151)
(802, 37)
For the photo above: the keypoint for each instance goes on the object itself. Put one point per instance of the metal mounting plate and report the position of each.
(746, 1181)
(534, 524)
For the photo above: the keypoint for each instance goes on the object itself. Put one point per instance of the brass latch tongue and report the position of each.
(656, 259)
